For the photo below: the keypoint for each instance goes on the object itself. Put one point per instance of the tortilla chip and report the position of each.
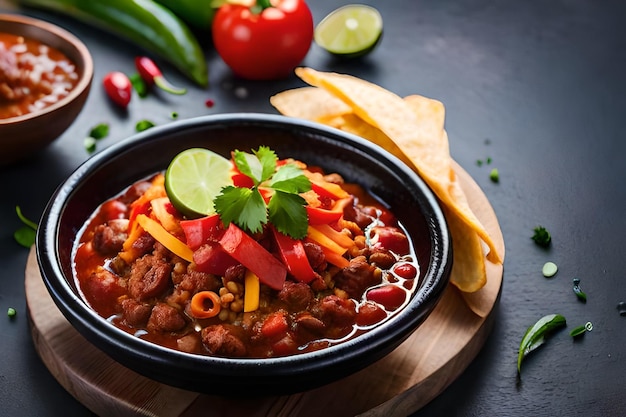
(420, 140)
(468, 265)
(311, 103)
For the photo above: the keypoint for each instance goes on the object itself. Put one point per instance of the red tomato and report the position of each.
(263, 45)
(118, 88)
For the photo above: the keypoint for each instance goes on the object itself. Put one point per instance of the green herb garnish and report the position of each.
(541, 236)
(11, 312)
(139, 85)
(90, 144)
(143, 125)
(174, 115)
(99, 131)
(26, 234)
(580, 330)
(536, 334)
(246, 207)
(96, 133)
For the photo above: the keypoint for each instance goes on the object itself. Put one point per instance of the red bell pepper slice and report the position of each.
(202, 230)
(253, 256)
(242, 180)
(294, 257)
(212, 259)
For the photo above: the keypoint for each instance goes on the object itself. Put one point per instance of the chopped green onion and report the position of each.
(580, 330)
(11, 312)
(99, 131)
(89, 144)
(494, 175)
(143, 125)
(549, 269)
(174, 115)
(579, 293)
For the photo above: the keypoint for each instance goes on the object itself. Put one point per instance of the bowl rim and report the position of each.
(435, 279)
(83, 82)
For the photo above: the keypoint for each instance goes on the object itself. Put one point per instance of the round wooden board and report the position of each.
(397, 385)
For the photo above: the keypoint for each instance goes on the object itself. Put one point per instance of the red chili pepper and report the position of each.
(152, 75)
(118, 88)
(253, 256)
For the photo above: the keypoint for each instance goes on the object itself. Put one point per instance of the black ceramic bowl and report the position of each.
(109, 172)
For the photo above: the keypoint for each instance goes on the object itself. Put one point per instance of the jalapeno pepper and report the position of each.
(144, 22)
(197, 13)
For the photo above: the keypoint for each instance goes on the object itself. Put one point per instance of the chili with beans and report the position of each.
(142, 287)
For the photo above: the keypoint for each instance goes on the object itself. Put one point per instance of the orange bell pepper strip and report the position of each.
(168, 240)
(252, 292)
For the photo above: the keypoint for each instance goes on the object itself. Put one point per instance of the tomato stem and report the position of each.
(260, 5)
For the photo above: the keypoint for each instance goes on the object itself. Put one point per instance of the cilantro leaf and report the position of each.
(289, 178)
(288, 214)
(268, 160)
(246, 207)
(249, 165)
(243, 206)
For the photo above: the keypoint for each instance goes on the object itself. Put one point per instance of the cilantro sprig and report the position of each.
(247, 208)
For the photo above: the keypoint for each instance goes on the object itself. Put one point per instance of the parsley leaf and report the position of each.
(541, 236)
(246, 207)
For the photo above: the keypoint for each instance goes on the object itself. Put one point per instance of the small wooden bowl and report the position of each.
(23, 135)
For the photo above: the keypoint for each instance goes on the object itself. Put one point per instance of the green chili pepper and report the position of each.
(197, 13)
(536, 334)
(144, 22)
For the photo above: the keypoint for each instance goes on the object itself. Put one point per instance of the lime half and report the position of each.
(350, 31)
(194, 178)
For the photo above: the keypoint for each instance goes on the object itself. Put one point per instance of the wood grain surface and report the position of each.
(397, 385)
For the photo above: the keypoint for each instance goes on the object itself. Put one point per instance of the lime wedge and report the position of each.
(194, 178)
(350, 31)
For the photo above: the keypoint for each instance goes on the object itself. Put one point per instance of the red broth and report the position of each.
(33, 75)
(149, 293)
